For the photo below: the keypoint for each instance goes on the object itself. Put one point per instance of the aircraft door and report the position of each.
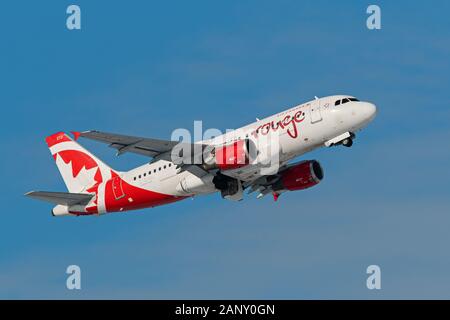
(117, 188)
(314, 111)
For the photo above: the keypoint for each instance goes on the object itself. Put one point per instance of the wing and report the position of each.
(154, 148)
(64, 198)
(263, 184)
(144, 146)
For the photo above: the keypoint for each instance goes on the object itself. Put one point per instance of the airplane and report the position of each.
(226, 164)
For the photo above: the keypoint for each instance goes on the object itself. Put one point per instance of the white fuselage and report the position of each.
(315, 123)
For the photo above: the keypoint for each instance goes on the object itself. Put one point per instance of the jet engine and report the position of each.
(231, 156)
(301, 176)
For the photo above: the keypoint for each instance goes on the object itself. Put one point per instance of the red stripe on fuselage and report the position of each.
(135, 198)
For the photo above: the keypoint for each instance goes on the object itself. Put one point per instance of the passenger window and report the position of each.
(164, 167)
(139, 176)
(154, 170)
(170, 164)
(134, 178)
(145, 174)
(159, 168)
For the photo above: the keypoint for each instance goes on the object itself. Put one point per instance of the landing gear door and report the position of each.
(314, 112)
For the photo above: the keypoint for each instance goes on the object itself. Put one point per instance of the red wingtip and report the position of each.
(76, 135)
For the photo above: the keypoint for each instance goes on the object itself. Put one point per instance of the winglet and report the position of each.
(76, 135)
(275, 196)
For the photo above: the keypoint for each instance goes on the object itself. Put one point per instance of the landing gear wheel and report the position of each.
(347, 142)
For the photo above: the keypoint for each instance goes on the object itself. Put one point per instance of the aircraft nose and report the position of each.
(369, 110)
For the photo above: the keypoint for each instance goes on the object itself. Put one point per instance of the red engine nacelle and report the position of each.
(301, 176)
(232, 156)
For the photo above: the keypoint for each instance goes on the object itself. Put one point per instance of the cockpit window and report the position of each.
(338, 102)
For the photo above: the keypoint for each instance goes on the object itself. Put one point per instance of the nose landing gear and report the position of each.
(345, 139)
(348, 142)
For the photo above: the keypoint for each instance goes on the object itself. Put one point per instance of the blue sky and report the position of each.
(147, 68)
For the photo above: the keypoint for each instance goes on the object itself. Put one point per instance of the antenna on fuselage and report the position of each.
(257, 119)
(315, 97)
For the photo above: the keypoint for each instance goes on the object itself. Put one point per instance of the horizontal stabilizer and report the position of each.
(63, 198)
